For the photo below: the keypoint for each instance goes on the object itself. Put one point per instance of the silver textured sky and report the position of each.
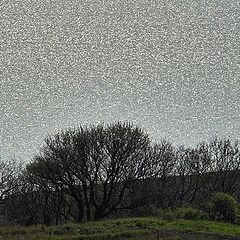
(170, 66)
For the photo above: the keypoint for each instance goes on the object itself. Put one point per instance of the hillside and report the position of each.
(147, 228)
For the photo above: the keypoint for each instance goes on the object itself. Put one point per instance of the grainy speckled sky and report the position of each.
(170, 66)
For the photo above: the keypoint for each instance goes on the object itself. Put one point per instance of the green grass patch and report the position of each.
(120, 229)
(204, 226)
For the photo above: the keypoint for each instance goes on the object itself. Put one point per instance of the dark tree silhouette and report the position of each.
(94, 165)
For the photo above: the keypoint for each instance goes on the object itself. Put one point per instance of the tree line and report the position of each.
(99, 171)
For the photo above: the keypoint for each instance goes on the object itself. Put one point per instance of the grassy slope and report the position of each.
(130, 228)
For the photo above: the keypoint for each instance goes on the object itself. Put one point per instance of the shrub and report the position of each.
(190, 213)
(223, 207)
(168, 215)
(171, 214)
(179, 213)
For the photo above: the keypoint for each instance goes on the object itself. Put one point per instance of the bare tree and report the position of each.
(223, 167)
(163, 160)
(54, 169)
(94, 165)
(9, 177)
(117, 159)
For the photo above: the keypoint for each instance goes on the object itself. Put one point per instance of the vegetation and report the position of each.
(223, 206)
(129, 228)
(109, 171)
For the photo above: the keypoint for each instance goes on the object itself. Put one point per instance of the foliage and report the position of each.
(190, 213)
(223, 207)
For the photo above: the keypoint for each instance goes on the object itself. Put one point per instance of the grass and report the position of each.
(121, 229)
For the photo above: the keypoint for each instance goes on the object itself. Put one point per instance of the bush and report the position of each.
(183, 213)
(168, 215)
(223, 207)
(190, 213)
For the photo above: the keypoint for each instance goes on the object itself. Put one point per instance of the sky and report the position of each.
(171, 67)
